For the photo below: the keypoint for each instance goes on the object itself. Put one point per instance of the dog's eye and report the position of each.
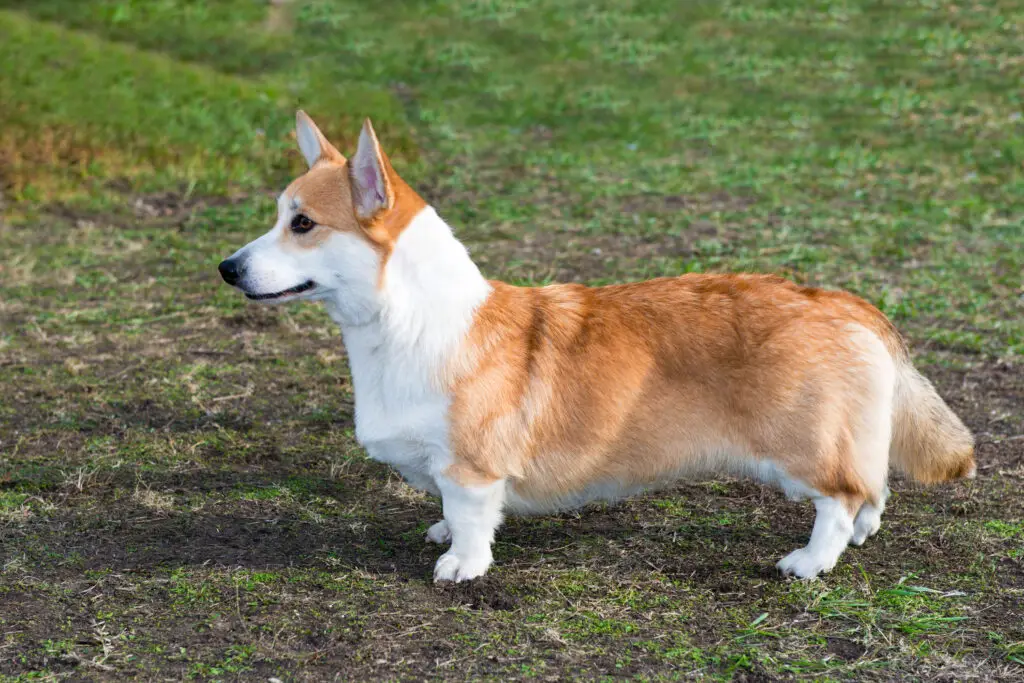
(301, 224)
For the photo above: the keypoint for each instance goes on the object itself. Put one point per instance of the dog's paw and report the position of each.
(451, 567)
(866, 525)
(439, 533)
(804, 564)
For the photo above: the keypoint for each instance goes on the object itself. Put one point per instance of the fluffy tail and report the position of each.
(929, 442)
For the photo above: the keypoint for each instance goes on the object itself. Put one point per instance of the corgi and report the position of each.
(504, 399)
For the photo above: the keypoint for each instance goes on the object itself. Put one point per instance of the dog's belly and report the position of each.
(524, 500)
(516, 502)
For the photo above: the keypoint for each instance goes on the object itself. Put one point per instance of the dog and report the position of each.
(504, 399)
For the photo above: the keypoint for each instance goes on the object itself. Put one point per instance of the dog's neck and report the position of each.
(429, 293)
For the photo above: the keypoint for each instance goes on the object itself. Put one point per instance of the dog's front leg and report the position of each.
(472, 514)
(439, 532)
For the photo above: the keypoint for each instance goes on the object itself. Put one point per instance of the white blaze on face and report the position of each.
(266, 264)
(340, 264)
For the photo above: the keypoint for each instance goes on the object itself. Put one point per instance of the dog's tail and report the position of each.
(929, 442)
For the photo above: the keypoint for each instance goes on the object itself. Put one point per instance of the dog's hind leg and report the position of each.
(853, 482)
(439, 533)
(833, 529)
(843, 495)
(869, 519)
(872, 438)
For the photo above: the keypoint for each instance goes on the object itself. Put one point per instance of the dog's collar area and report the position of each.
(298, 289)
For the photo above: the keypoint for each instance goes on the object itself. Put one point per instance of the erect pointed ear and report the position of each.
(312, 143)
(372, 190)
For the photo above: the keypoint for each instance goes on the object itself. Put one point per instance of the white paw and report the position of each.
(865, 526)
(451, 567)
(439, 533)
(804, 564)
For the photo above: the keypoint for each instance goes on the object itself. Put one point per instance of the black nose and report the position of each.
(230, 271)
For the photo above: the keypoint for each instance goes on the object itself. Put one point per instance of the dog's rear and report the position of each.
(929, 442)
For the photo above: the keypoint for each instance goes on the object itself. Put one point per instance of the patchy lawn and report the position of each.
(180, 492)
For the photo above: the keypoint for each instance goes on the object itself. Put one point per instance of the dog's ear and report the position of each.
(312, 143)
(370, 173)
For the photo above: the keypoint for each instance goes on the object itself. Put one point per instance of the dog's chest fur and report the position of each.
(431, 289)
(400, 418)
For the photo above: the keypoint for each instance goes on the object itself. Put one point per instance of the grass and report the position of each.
(180, 491)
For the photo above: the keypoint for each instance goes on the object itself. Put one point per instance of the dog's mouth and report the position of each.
(298, 289)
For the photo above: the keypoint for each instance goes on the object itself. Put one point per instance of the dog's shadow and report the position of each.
(386, 536)
(203, 518)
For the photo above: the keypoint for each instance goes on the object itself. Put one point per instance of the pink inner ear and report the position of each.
(368, 176)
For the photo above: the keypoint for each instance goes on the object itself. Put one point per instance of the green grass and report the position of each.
(181, 494)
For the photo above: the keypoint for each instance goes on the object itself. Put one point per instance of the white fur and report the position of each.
(439, 533)
(424, 310)
(473, 515)
(344, 268)
(869, 519)
(425, 307)
(833, 529)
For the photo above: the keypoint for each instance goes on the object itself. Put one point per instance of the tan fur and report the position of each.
(564, 386)
(324, 194)
(502, 398)
(386, 227)
(929, 442)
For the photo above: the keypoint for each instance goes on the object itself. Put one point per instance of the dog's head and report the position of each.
(336, 226)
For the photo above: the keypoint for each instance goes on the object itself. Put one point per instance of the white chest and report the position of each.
(419, 313)
(401, 418)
